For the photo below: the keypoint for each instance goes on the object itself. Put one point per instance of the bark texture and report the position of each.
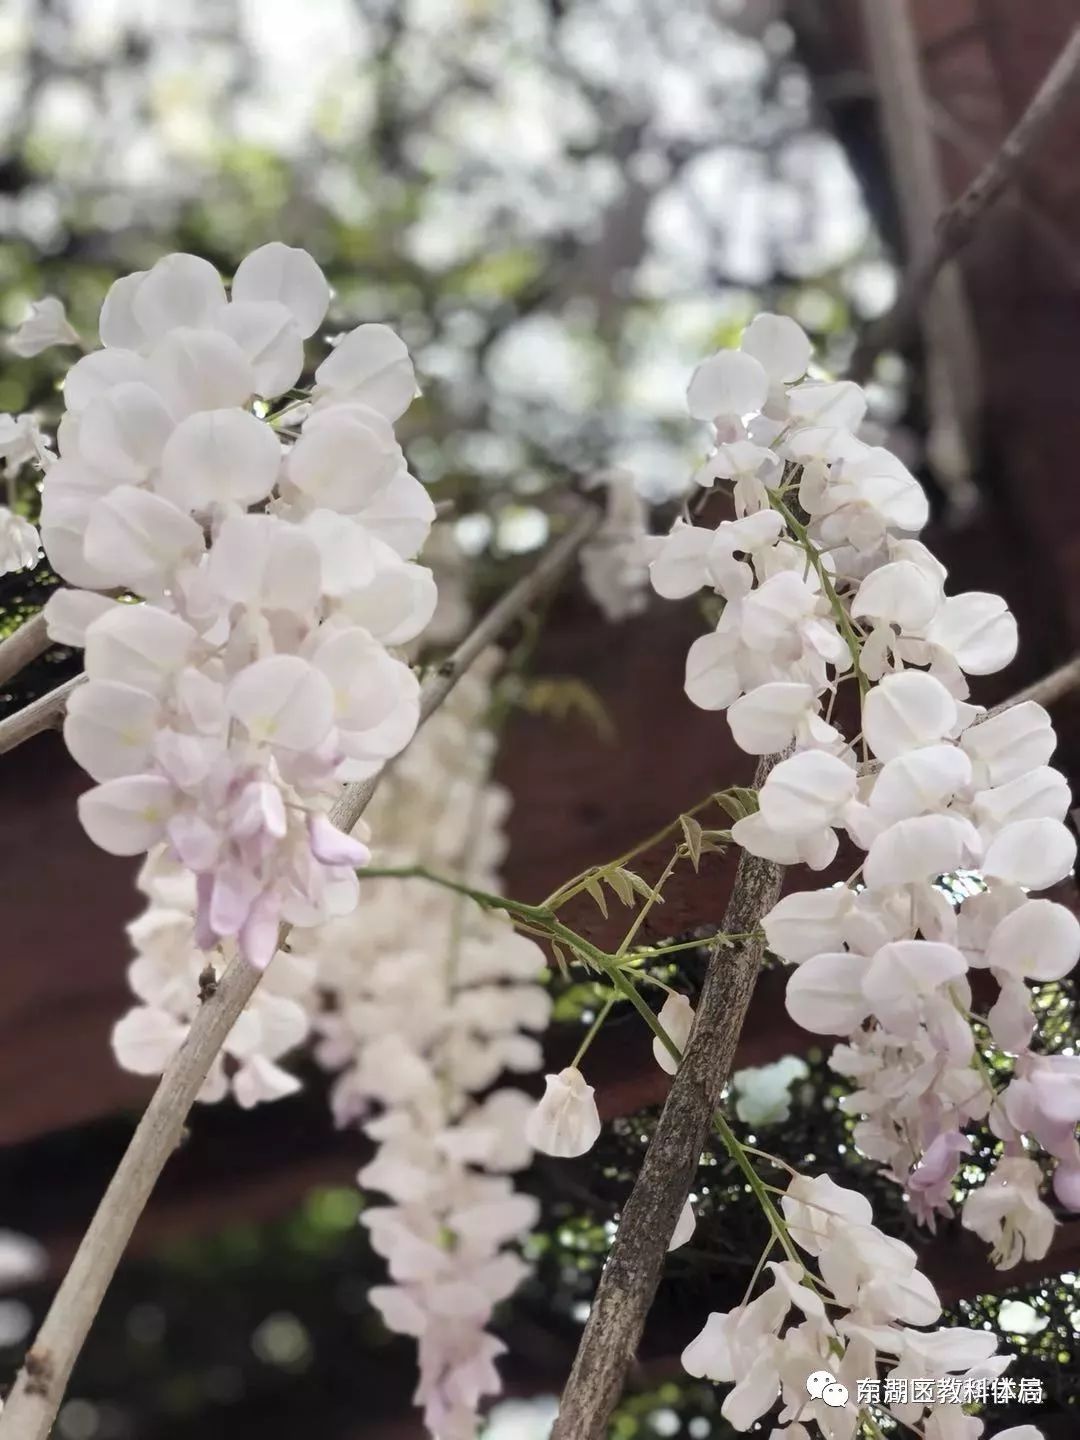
(633, 1269)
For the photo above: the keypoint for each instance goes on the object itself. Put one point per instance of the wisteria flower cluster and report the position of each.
(428, 1000)
(839, 1261)
(168, 977)
(272, 553)
(823, 585)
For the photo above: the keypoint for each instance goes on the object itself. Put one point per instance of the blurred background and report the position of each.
(561, 205)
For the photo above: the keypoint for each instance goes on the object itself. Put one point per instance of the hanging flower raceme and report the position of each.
(427, 1001)
(274, 567)
(848, 1304)
(822, 583)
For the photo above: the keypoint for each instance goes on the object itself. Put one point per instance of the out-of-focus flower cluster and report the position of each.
(428, 999)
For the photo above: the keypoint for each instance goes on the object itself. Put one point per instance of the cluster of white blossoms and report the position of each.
(824, 587)
(21, 443)
(427, 1000)
(614, 563)
(274, 566)
(880, 1302)
(168, 976)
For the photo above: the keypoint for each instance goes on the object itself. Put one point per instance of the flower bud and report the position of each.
(676, 1017)
(565, 1122)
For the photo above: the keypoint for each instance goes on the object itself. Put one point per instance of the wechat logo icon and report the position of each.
(823, 1386)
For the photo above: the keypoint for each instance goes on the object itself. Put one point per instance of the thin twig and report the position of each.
(634, 1266)
(45, 713)
(29, 1411)
(22, 646)
(952, 355)
(1051, 688)
(957, 223)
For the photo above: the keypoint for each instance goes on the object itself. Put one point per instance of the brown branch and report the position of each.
(949, 334)
(634, 1266)
(958, 222)
(29, 1411)
(45, 713)
(22, 646)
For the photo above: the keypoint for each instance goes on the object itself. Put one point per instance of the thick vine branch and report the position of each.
(634, 1266)
(22, 646)
(957, 224)
(40, 1384)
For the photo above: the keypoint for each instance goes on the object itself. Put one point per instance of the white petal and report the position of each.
(396, 604)
(978, 630)
(781, 346)
(806, 792)
(807, 923)
(765, 720)
(400, 515)
(289, 276)
(347, 551)
(921, 848)
(263, 561)
(117, 325)
(97, 373)
(200, 370)
(127, 816)
(63, 528)
(712, 681)
(139, 539)
(1037, 941)
(268, 336)
(906, 711)
(1042, 793)
(109, 728)
(371, 364)
(684, 1227)
(343, 462)
(901, 593)
(824, 995)
(904, 971)
(708, 1356)
(677, 1019)
(565, 1122)
(138, 645)
(69, 612)
(1032, 853)
(918, 781)
(180, 290)
(837, 403)
(146, 1039)
(728, 383)
(816, 849)
(259, 1081)
(1012, 743)
(283, 700)
(122, 432)
(680, 565)
(217, 457)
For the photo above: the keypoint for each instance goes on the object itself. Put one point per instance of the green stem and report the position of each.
(775, 1219)
(649, 903)
(843, 620)
(593, 1031)
(578, 883)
